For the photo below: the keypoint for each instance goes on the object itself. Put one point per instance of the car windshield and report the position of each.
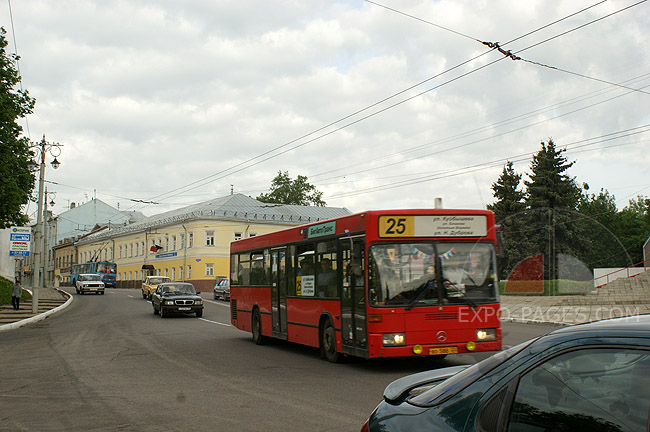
(179, 289)
(159, 280)
(462, 379)
(407, 273)
(90, 278)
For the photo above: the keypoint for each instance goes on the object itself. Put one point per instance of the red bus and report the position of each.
(393, 283)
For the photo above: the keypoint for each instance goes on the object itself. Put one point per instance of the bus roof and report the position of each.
(367, 222)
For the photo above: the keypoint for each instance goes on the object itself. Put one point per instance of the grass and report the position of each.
(5, 291)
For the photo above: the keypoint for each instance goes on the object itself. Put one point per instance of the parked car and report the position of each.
(222, 289)
(151, 283)
(592, 376)
(89, 283)
(176, 297)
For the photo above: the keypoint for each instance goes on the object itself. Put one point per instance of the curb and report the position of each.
(39, 317)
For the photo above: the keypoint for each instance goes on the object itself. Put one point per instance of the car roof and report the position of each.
(630, 324)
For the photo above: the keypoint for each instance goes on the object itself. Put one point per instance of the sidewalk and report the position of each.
(50, 300)
(560, 310)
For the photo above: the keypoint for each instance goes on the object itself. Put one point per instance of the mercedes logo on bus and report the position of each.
(441, 336)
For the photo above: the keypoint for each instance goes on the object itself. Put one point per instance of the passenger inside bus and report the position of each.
(326, 280)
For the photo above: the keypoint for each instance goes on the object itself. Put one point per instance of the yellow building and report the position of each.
(192, 243)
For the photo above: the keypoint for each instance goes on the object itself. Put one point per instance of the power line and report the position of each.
(247, 164)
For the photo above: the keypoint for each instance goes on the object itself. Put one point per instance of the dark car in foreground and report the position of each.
(222, 289)
(587, 377)
(176, 297)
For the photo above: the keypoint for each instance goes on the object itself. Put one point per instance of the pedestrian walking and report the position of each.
(16, 292)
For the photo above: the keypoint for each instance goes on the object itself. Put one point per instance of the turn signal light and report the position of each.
(375, 318)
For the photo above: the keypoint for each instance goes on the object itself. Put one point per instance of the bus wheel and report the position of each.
(257, 328)
(328, 343)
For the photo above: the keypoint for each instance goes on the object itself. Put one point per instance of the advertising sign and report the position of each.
(19, 238)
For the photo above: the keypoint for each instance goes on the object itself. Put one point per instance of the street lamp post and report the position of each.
(39, 247)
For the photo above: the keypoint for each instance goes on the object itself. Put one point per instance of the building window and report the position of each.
(180, 272)
(209, 269)
(142, 248)
(252, 234)
(130, 253)
(238, 236)
(182, 240)
(190, 239)
(189, 272)
(173, 273)
(167, 272)
(119, 251)
(209, 238)
(173, 242)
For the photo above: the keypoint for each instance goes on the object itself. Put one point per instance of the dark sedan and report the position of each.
(176, 297)
(592, 377)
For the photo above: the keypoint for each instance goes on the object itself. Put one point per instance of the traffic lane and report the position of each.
(110, 363)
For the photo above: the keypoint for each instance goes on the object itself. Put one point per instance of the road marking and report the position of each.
(220, 303)
(215, 322)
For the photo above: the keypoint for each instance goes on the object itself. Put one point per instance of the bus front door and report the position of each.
(353, 297)
(279, 293)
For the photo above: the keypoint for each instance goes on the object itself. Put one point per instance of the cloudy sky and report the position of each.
(381, 105)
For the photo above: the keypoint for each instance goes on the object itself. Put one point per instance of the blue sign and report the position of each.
(166, 255)
(18, 253)
(19, 237)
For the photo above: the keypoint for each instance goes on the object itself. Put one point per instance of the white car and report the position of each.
(89, 283)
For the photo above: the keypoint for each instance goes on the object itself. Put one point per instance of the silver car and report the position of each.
(222, 289)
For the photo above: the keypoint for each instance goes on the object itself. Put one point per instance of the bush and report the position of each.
(551, 288)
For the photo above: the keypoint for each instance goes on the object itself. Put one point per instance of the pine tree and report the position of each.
(551, 198)
(508, 209)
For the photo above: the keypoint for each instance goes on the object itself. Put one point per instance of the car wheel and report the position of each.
(199, 314)
(328, 343)
(162, 312)
(155, 311)
(144, 296)
(258, 338)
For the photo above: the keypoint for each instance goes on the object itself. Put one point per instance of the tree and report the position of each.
(287, 191)
(17, 180)
(551, 195)
(508, 214)
(510, 200)
(549, 186)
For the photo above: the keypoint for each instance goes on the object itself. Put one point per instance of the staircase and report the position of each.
(622, 291)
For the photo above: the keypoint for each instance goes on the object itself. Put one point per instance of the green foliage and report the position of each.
(297, 192)
(5, 291)
(556, 219)
(17, 181)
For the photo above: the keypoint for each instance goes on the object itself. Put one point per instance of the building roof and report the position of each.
(235, 207)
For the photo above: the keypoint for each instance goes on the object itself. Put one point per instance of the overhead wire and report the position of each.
(246, 164)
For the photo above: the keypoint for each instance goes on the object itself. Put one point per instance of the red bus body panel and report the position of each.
(421, 325)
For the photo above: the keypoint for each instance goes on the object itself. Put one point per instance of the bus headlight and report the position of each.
(486, 335)
(393, 339)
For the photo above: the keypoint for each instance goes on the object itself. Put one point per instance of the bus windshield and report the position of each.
(407, 274)
(104, 267)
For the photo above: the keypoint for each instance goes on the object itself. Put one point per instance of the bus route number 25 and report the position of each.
(396, 226)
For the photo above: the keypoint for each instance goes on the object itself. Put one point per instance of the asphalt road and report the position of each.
(108, 363)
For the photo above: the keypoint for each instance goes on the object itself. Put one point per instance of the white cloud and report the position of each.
(150, 96)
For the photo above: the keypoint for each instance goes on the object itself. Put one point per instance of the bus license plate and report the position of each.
(184, 308)
(445, 350)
